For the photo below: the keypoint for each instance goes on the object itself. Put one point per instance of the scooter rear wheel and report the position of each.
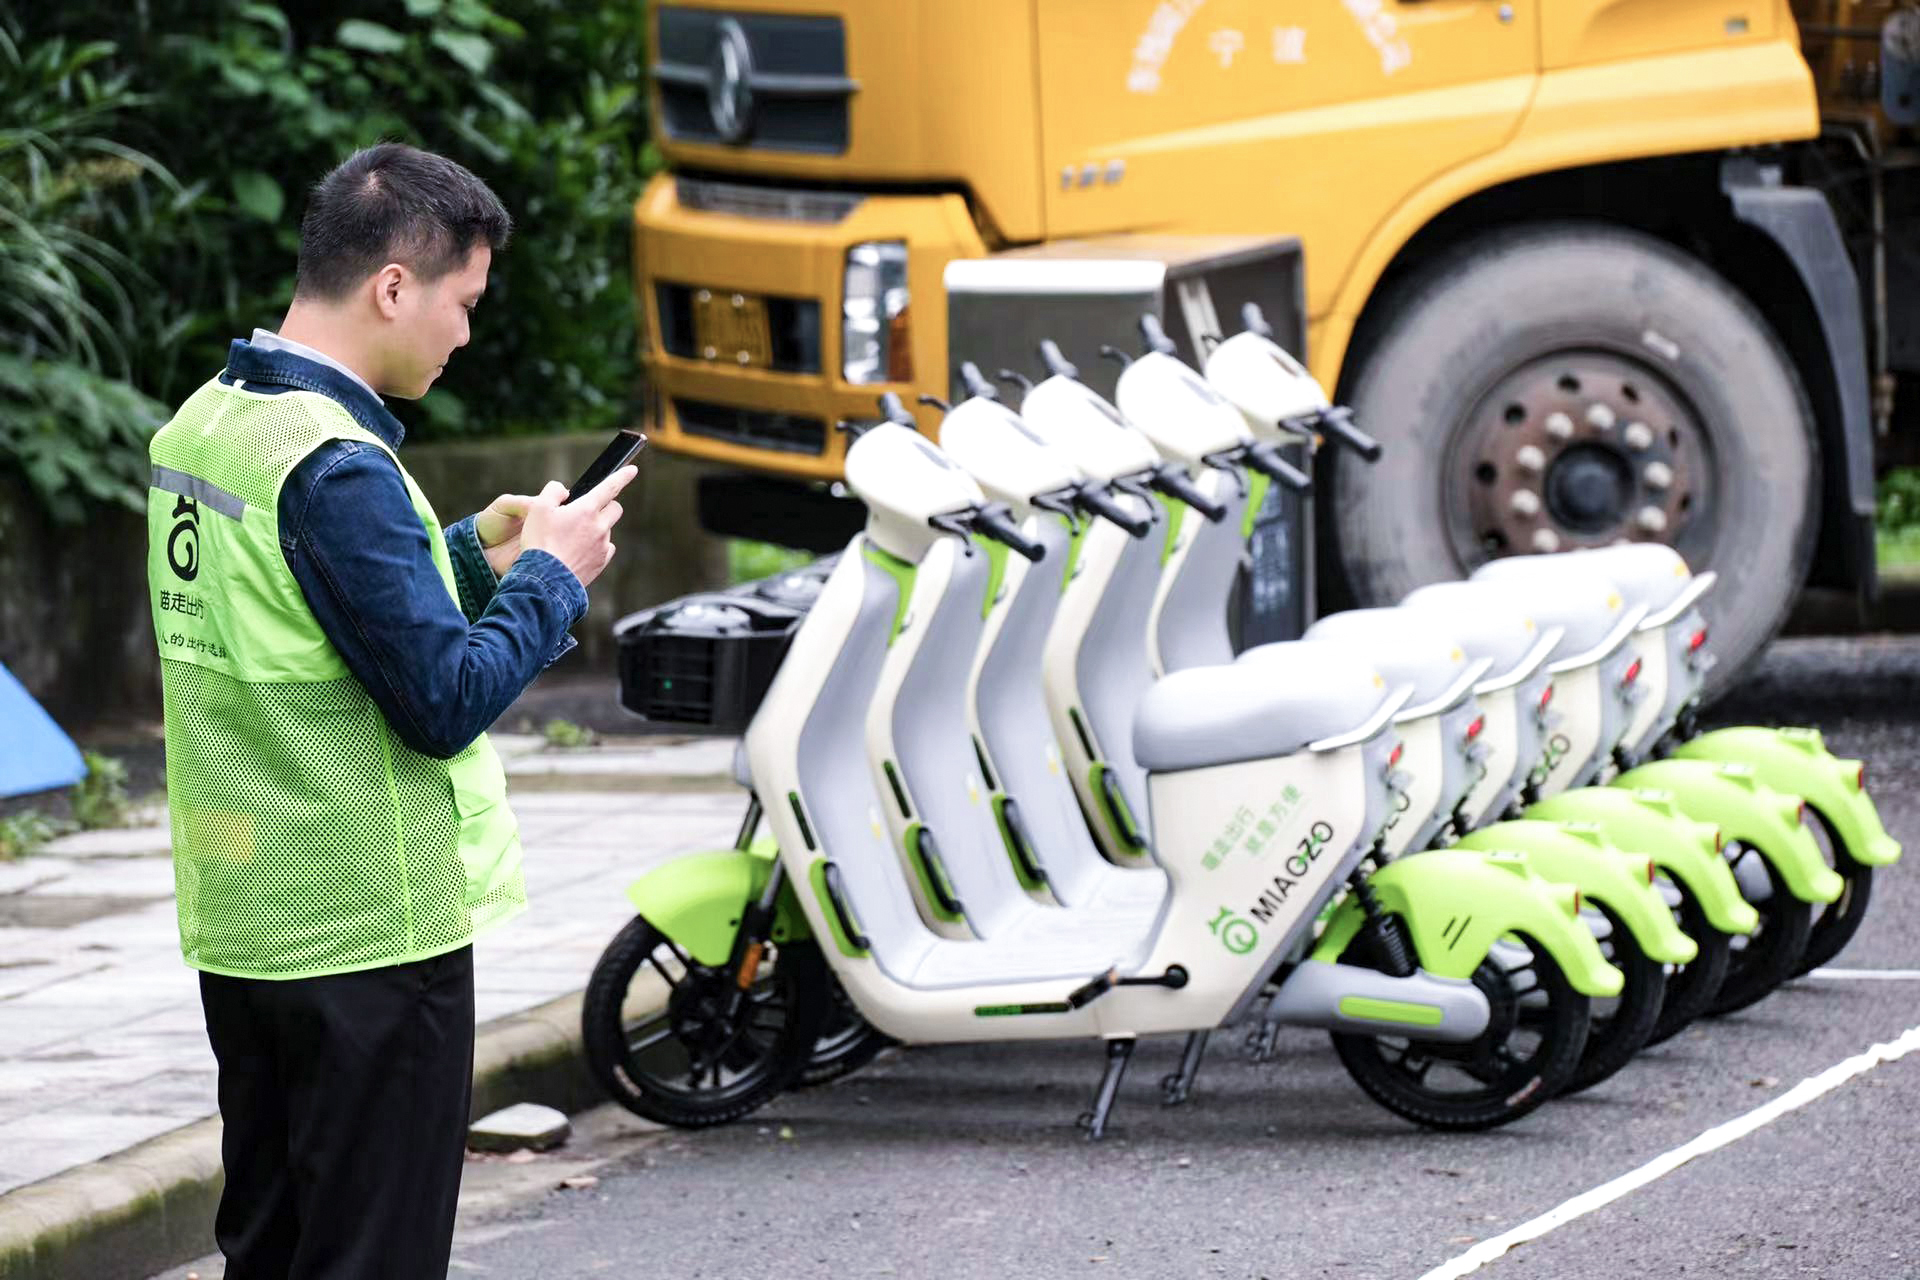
(1510, 1069)
(847, 1042)
(1623, 1024)
(668, 1039)
(1839, 920)
(1691, 987)
(1771, 954)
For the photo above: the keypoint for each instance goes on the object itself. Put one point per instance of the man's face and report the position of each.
(431, 324)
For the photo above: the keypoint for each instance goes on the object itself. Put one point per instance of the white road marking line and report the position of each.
(1868, 975)
(1712, 1140)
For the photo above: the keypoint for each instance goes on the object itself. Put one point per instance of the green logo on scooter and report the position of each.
(1236, 933)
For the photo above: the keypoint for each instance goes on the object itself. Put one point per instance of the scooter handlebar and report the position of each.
(1096, 500)
(996, 521)
(1338, 423)
(1169, 479)
(1265, 458)
(894, 410)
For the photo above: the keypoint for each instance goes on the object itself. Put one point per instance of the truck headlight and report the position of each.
(874, 343)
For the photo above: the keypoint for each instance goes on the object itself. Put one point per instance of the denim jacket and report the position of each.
(440, 672)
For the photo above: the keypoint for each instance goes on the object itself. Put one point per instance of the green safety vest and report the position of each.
(307, 837)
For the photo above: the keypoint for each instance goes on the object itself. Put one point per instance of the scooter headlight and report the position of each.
(874, 344)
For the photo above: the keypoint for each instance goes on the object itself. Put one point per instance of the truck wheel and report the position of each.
(1571, 385)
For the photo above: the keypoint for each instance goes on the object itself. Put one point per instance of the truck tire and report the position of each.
(1573, 384)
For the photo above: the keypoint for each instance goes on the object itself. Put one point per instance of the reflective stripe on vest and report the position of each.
(307, 837)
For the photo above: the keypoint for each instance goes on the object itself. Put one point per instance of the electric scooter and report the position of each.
(1308, 762)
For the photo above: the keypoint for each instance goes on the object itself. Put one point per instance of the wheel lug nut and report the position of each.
(1545, 540)
(1600, 416)
(1658, 475)
(1652, 519)
(1531, 457)
(1559, 426)
(1638, 436)
(1525, 502)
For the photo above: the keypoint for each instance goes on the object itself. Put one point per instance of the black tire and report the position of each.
(651, 1060)
(1426, 373)
(1836, 922)
(1623, 1025)
(1692, 987)
(1494, 1084)
(847, 1042)
(1771, 954)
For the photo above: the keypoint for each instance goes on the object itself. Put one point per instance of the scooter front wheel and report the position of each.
(679, 1043)
(1623, 1024)
(847, 1041)
(1839, 920)
(1536, 1030)
(1692, 987)
(1771, 954)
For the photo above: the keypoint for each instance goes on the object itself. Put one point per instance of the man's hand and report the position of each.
(499, 530)
(577, 533)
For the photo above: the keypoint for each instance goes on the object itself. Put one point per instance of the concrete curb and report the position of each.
(151, 1207)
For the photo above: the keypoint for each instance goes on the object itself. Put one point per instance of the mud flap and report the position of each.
(697, 900)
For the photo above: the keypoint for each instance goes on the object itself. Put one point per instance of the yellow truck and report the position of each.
(1591, 269)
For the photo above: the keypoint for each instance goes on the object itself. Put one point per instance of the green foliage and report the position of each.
(135, 282)
(100, 799)
(749, 561)
(1897, 516)
(565, 733)
(26, 832)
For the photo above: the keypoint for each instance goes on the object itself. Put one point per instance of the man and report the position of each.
(331, 659)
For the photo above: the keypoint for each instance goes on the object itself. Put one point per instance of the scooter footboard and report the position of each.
(1456, 905)
(1797, 761)
(1732, 797)
(698, 900)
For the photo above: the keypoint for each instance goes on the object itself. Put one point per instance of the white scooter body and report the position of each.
(1491, 622)
(1592, 666)
(1038, 814)
(1220, 759)
(1189, 422)
(1669, 642)
(1267, 385)
(1096, 663)
(1440, 725)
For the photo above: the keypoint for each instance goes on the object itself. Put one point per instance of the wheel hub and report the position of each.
(1576, 449)
(703, 1013)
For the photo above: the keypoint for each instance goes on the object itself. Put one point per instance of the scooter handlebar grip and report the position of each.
(1172, 482)
(1338, 423)
(999, 525)
(1265, 458)
(1097, 501)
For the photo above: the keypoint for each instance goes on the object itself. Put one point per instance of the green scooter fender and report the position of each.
(1456, 905)
(1732, 797)
(697, 900)
(1648, 822)
(1797, 761)
(1622, 882)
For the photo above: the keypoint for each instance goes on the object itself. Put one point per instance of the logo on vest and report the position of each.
(183, 544)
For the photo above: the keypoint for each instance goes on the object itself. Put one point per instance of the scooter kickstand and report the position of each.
(1178, 1087)
(1119, 1054)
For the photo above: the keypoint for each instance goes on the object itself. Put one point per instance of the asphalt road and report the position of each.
(963, 1162)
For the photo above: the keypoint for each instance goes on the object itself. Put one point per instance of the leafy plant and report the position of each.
(749, 561)
(566, 734)
(26, 832)
(100, 799)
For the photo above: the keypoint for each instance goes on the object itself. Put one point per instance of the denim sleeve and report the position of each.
(439, 675)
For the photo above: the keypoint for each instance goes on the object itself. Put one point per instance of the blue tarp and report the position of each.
(34, 754)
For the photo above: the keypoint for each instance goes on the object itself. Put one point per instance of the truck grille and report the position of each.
(765, 80)
(793, 325)
(706, 196)
(756, 428)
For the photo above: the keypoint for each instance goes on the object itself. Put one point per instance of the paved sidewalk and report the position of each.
(101, 1040)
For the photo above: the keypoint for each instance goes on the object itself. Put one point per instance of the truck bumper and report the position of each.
(782, 248)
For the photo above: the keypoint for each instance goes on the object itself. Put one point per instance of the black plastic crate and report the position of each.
(702, 663)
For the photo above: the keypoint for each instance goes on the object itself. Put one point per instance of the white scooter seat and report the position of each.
(1407, 650)
(1651, 574)
(1276, 700)
(1488, 621)
(1562, 592)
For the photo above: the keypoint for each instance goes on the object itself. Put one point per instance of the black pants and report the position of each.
(345, 1100)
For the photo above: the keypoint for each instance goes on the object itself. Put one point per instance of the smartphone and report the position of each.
(626, 443)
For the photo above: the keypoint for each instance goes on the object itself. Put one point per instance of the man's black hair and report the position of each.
(394, 203)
